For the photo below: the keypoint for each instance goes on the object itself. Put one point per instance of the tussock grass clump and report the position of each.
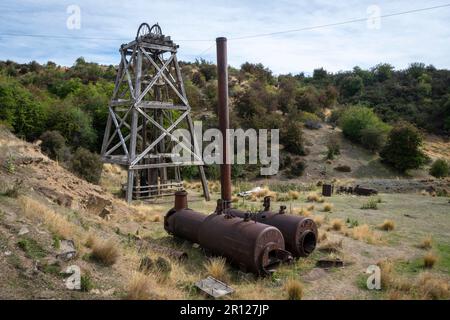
(319, 220)
(105, 252)
(387, 225)
(386, 273)
(337, 224)
(303, 212)
(432, 287)
(293, 195)
(313, 197)
(90, 240)
(371, 204)
(216, 268)
(327, 207)
(138, 287)
(310, 207)
(322, 236)
(426, 243)
(294, 289)
(429, 260)
(365, 233)
(156, 218)
(283, 197)
(56, 223)
(331, 246)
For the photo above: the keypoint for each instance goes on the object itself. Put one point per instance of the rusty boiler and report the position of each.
(300, 233)
(254, 243)
(249, 245)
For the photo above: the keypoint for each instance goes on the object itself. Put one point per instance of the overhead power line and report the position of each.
(8, 34)
(338, 23)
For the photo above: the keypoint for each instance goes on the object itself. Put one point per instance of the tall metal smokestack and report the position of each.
(224, 118)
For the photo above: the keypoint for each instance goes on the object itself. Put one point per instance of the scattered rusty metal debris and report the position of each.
(214, 287)
(358, 190)
(361, 191)
(330, 263)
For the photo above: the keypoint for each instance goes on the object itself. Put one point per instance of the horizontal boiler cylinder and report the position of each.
(252, 246)
(300, 233)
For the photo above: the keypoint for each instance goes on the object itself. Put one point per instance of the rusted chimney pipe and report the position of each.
(224, 119)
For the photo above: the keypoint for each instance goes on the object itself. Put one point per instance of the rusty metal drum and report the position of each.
(184, 223)
(300, 233)
(252, 246)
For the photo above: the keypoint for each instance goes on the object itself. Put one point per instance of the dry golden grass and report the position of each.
(310, 207)
(55, 222)
(432, 287)
(138, 287)
(331, 246)
(156, 218)
(283, 197)
(105, 252)
(323, 235)
(429, 260)
(313, 197)
(427, 243)
(294, 289)
(293, 195)
(262, 193)
(234, 199)
(387, 225)
(319, 220)
(91, 239)
(386, 273)
(303, 212)
(327, 207)
(365, 233)
(337, 224)
(216, 268)
(214, 186)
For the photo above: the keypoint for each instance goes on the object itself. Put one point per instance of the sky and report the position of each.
(194, 25)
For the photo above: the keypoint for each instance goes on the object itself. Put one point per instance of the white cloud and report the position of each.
(421, 36)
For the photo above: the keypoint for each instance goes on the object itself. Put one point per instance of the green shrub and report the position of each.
(86, 283)
(356, 119)
(292, 137)
(297, 169)
(87, 165)
(373, 138)
(370, 204)
(402, 150)
(53, 144)
(10, 165)
(440, 168)
(333, 146)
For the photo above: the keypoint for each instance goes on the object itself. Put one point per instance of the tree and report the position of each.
(74, 124)
(87, 165)
(351, 86)
(292, 137)
(402, 150)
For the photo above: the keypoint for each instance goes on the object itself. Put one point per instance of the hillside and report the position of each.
(42, 205)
